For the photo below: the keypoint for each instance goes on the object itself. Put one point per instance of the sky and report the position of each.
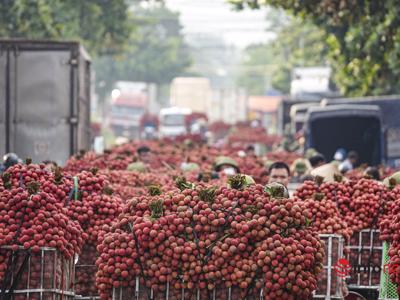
(238, 28)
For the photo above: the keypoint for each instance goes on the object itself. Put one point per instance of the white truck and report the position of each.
(172, 121)
(310, 81)
(191, 92)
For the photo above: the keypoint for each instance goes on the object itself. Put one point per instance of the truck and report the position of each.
(129, 102)
(44, 99)
(352, 127)
(310, 81)
(298, 113)
(309, 85)
(191, 92)
(149, 126)
(390, 109)
(173, 121)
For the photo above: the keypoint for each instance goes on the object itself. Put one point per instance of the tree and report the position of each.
(255, 68)
(363, 37)
(100, 24)
(298, 44)
(156, 51)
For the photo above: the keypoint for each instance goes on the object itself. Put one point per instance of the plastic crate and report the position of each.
(365, 257)
(44, 275)
(331, 286)
(387, 290)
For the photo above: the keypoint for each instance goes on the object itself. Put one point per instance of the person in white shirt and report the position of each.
(349, 163)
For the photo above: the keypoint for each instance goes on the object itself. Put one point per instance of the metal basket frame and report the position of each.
(329, 267)
(117, 293)
(370, 248)
(69, 274)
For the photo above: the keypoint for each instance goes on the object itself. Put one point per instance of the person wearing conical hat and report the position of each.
(189, 167)
(299, 168)
(310, 152)
(392, 180)
(137, 167)
(227, 165)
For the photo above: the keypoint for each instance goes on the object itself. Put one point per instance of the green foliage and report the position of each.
(156, 51)
(255, 67)
(298, 44)
(363, 39)
(101, 25)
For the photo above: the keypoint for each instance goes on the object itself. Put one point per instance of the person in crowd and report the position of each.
(144, 154)
(299, 168)
(50, 165)
(317, 160)
(250, 151)
(340, 155)
(188, 167)
(349, 163)
(310, 152)
(9, 160)
(207, 176)
(226, 165)
(279, 172)
(373, 172)
(264, 177)
(137, 166)
(306, 177)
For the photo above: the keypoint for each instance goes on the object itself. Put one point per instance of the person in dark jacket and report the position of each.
(317, 160)
(373, 172)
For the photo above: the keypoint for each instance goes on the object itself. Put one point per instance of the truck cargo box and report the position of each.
(352, 127)
(44, 99)
(390, 108)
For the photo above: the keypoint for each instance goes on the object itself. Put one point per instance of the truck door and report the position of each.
(41, 104)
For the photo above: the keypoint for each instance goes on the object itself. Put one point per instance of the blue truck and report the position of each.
(352, 127)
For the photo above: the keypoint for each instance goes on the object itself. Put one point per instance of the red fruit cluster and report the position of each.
(44, 270)
(290, 265)
(85, 269)
(210, 237)
(361, 203)
(389, 222)
(92, 204)
(326, 217)
(33, 218)
(247, 134)
(53, 182)
(366, 203)
(94, 208)
(128, 184)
